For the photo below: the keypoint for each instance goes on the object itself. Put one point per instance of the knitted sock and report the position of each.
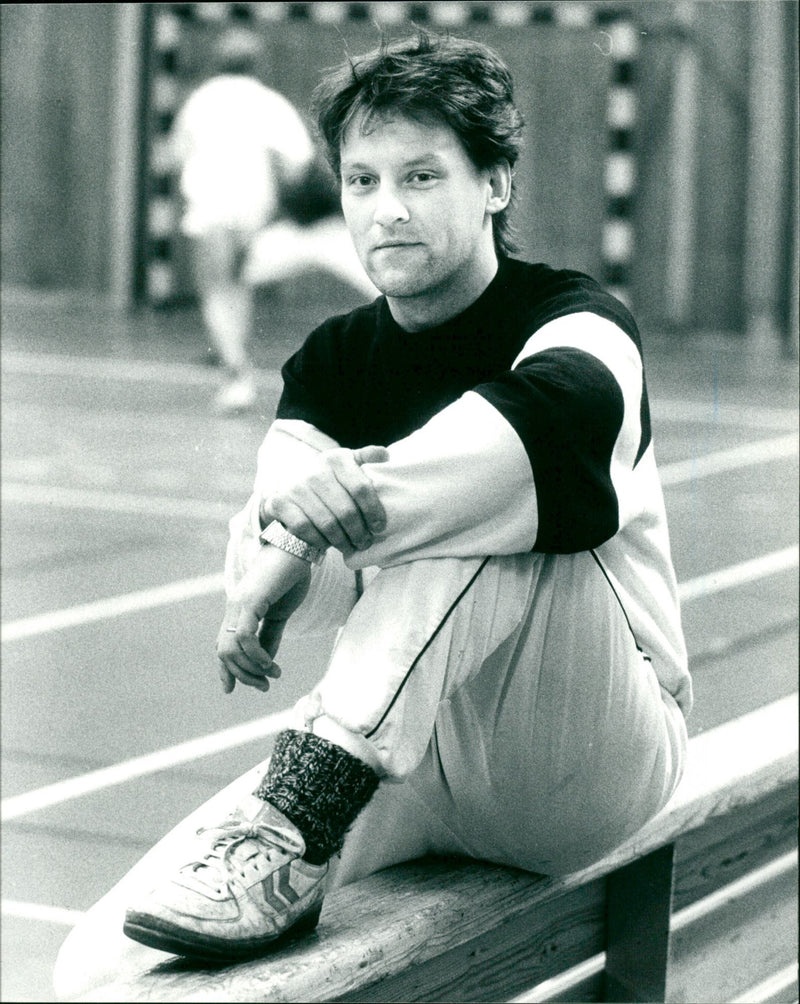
(320, 787)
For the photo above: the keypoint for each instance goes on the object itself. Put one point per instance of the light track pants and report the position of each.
(509, 696)
(506, 704)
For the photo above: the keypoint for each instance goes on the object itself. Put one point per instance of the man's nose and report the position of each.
(389, 208)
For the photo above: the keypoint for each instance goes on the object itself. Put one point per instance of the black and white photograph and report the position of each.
(399, 528)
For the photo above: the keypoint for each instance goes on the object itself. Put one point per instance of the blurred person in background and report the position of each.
(259, 205)
(461, 477)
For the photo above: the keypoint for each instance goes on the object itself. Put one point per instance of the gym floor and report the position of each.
(118, 480)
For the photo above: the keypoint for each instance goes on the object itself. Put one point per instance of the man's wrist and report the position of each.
(277, 535)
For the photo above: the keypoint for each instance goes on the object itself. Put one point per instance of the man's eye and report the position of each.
(360, 181)
(422, 177)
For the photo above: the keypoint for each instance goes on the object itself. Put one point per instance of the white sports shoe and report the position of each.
(236, 395)
(249, 888)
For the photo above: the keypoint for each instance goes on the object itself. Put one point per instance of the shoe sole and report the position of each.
(166, 937)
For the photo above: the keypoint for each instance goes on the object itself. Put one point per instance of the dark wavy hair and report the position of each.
(460, 82)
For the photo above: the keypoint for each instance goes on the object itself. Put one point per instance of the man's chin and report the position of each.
(401, 286)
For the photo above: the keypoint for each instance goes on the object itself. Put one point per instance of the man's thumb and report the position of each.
(370, 455)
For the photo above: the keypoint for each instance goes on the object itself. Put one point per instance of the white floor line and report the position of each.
(57, 497)
(157, 371)
(194, 749)
(721, 461)
(671, 475)
(209, 585)
(38, 911)
(98, 500)
(126, 370)
(113, 606)
(150, 763)
(773, 988)
(739, 575)
(748, 416)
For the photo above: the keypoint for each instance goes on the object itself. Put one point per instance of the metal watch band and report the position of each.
(275, 533)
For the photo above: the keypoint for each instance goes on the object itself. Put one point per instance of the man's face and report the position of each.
(416, 207)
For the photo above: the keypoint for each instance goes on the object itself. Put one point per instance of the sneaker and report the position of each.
(236, 395)
(250, 887)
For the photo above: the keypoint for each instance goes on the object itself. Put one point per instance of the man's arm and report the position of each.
(540, 458)
(287, 453)
(265, 585)
(334, 504)
(537, 459)
(256, 612)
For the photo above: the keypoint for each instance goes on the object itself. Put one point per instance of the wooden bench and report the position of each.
(699, 906)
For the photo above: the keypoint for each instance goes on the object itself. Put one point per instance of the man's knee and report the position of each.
(65, 970)
(96, 953)
(88, 958)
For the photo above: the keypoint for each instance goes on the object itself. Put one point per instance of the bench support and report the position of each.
(638, 906)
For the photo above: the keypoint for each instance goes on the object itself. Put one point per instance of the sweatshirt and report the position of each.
(520, 425)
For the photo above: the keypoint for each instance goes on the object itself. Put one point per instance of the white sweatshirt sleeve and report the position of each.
(533, 460)
(287, 449)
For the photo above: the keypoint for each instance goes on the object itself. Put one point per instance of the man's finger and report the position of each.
(248, 622)
(241, 670)
(370, 455)
(300, 523)
(346, 528)
(361, 490)
(336, 514)
(228, 679)
(260, 661)
(246, 652)
(270, 634)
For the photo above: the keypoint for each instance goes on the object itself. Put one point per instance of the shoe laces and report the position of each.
(226, 856)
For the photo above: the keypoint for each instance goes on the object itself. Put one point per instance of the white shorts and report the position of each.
(227, 193)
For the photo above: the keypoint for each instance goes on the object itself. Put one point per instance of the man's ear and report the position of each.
(500, 187)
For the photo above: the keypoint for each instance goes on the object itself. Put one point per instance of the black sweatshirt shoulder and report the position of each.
(362, 379)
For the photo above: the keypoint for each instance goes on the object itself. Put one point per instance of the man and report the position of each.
(474, 450)
(257, 209)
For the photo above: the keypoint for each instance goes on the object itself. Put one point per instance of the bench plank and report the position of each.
(511, 958)
(706, 862)
(414, 913)
(724, 849)
(750, 936)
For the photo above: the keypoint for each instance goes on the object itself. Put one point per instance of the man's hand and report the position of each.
(271, 590)
(335, 505)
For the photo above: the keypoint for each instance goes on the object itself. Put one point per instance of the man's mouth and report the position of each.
(396, 244)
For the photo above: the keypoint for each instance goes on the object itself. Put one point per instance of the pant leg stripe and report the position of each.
(426, 646)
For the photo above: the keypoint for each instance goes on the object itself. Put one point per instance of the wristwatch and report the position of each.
(275, 533)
